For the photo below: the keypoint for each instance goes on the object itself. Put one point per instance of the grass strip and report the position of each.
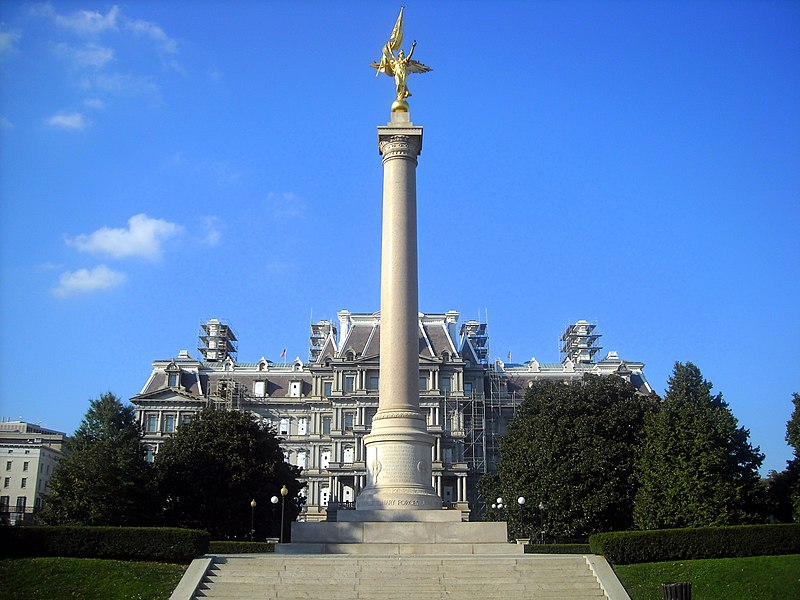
(87, 578)
(751, 577)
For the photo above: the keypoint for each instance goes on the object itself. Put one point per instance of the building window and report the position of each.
(186, 419)
(323, 497)
(152, 423)
(173, 380)
(423, 384)
(8, 465)
(25, 465)
(349, 383)
(347, 457)
(448, 456)
(22, 501)
(348, 421)
(301, 459)
(295, 388)
(284, 428)
(326, 425)
(325, 459)
(302, 426)
(260, 388)
(24, 483)
(150, 455)
(6, 482)
(372, 382)
(468, 387)
(445, 383)
(169, 424)
(4, 503)
(328, 388)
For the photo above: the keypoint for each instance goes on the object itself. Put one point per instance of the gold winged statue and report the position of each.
(398, 65)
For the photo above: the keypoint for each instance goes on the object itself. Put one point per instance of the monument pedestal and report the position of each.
(399, 532)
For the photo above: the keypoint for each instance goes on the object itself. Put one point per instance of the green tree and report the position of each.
(103, 478)
(697, 467)
(211, 469)
(793, 438)
(572, 448)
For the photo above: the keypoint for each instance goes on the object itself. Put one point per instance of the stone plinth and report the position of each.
(391, 537)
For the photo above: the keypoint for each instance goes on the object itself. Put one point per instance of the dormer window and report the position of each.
(350, 355)
(260, 389)
(173, 375)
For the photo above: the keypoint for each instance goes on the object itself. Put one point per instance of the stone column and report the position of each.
(398, 448)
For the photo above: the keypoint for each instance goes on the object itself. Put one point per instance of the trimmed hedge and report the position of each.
(158, 544)
(233, 547)
(557, 549)
(627, 547)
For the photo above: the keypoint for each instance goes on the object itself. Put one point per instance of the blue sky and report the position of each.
(635, 164)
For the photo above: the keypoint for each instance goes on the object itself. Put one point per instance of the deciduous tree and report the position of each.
(697, 466)
(572, 448)
(793, 438)
(211, 469)
(103, 478)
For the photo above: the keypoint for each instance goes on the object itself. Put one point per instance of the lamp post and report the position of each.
(284, 493)
(521, 502)
(252, 519)
(274, 501)
(541, 521)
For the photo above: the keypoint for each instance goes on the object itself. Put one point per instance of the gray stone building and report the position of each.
(323, 407)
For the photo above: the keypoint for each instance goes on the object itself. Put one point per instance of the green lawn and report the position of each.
(749, 578)
(87, 578)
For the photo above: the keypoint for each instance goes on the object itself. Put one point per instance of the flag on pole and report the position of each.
(283, 354)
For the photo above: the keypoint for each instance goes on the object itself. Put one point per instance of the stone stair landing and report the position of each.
(344, 577)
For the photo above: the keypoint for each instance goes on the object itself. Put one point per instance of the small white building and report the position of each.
(28, 457)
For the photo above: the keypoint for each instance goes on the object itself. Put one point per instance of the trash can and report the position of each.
(676, 591)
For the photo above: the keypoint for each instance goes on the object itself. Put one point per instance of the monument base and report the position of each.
(416, 535)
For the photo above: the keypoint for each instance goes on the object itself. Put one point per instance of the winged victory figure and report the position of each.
(399, 65)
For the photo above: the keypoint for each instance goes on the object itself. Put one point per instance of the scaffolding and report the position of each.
(320, 331)
(226, 393)
(578, 343)
(218, 341)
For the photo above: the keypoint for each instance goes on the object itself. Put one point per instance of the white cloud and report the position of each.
(8, 40)
(95, 103)
(5, 123)
(213, 230)
(286, 206)
(89, 55)
(82, 22)
(143, 237)
(87, 280)
(122, 85)
(154, 32)
(68, 121)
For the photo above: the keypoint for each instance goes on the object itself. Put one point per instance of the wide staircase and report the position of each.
(340, 577)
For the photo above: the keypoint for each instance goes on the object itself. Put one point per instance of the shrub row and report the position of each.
(233, 547)
(626, 547)
(126, 543)
(557, 549)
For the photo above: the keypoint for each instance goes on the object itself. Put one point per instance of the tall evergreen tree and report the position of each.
(103, 478)
(572, 449)
(211, 469)
(697, 466)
